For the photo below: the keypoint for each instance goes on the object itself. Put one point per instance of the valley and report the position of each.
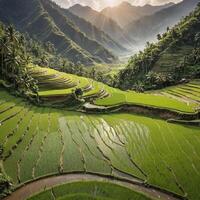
(99, 104)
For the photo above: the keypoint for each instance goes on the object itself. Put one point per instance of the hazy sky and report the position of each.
(100, 4)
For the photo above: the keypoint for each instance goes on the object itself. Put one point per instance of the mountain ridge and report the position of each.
(125, 12)
(33, 18)
(103, 23)
(93, 32)
(175, 56)
(159, 21)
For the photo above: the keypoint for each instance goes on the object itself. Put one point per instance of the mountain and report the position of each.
(125, 13)
(148, 27)
(173, 58)
(103, 23)
(43, 21)
(94, 33)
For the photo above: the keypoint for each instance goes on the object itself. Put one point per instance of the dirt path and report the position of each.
(40, 185)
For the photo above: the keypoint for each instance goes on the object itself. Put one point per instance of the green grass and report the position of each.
(189, 92)
(90, 190)
(46, 141)
(116, 96)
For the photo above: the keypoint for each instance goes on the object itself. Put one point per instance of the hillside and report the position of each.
(125, 13)
(174, 57)
(41, 20)
(41, 142)
(146, 28)
(93, 32)
(58, 127)
(103, 23)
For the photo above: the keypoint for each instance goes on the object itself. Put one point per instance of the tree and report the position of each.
(168, 29)
(159, 37)
(78, 92)
(43, 61)
(14, 62)
(1, 151)
(197, 40)
(12, 35)
(93, 73)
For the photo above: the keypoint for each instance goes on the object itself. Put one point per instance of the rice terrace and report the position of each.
(76, 126)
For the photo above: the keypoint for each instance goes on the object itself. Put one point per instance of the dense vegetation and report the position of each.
(41, 141)
(157, 23)
(47, 23)
(94, 33)
(150, 138)
(14, 61)
(173, 58)
(55, 87)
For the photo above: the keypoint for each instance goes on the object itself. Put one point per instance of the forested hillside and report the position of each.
(147, 27)
(173, 58)
(15, 56)
(42, 20)
(94, 33)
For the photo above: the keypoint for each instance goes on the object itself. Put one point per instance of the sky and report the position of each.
(100, 4)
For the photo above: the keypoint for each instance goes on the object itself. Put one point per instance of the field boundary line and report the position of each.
(30, 188)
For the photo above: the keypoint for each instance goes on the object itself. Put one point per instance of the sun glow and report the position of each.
(111, 2)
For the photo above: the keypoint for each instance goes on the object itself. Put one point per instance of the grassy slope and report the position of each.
(43, 141)
(116, 96)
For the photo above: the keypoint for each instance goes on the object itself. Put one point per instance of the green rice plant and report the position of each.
(43, 196)
(164, 152)
(91, 162)
(10, 113)
(97, 189)
(21, 130)
(49, 162)
(53, 141)
(72, 159)
(9, 126)
(12, 164)
(118, 97)
(6, 106)
(90, 190)
(116, 153)
(31, 156)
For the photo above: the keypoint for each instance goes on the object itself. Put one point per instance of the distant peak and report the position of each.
(76, 6)
(125, 3)
(80, 7)
(147, 5)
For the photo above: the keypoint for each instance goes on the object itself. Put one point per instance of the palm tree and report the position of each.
(12, 35)
(3, 51)
(13, 64)
(197, 40)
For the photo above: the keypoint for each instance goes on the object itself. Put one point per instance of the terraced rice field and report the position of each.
(39, 142)
(103, 95)
(189, 92)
